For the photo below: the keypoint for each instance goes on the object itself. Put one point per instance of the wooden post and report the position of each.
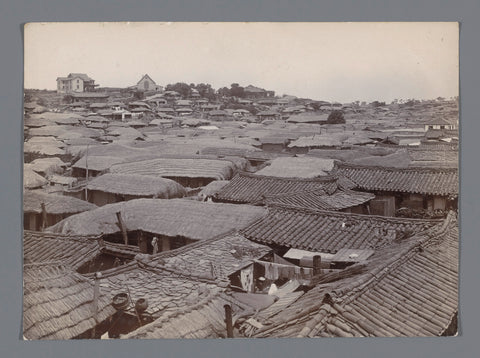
(44, 217)
(96, 294)
(86, 169)
(122, 227)
(228, 320)
(317, 262)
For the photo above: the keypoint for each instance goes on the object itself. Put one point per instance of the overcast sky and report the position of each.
(323, 61)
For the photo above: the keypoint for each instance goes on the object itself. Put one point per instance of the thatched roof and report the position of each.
(97, 163)
(51, 165)
(32, 180)
(173, 217)
(34, 122)
(137, 185)
(49, 130)
(350, 154)
(58, 179)
(307, 118)
(124, 132)
(54, 204)
(315, 141)
(57, 303)
(80, 132)
(80, 141)
(67, 120)
(46, 141)
(41, 148)
(174, 167)
(399, 159)
(213, 188)
(95, 119)
(55, 116)
(297, 167)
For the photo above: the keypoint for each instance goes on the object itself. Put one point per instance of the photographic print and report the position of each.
(240, 180)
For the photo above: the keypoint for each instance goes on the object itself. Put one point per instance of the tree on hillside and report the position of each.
(336, 117)
(236, 90)
(206, 91)
(223, 92)
(179, 87)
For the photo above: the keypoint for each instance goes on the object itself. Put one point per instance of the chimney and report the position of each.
(228, 320)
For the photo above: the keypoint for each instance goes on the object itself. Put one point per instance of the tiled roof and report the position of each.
(57, 303)
(329, 231)
(318, 200)
(185, 287)
(46, 247)
(211, 259)
(73, 251)
(421, 154)
(83, 76)
(430, 181)
(409, 289)
(417, 298)
(438, 146)
(251, 188)
(204, 319)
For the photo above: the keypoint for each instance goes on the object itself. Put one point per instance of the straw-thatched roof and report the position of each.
(35, 122)
(174, 167)
(81, 132)
(55, 116)
(81, 141)
(297, 167)
(137, 185)
(315, 141)
(95, 119)
(54, 204)
(97, 163)
(58, 303)
(50, 165)
(399, 159)
(127, 132)
(46, 141)
(307, 118)
(67, 120)
(174, 217)
(32, 180)
(43, 148)
(63, 180)
(213, 188)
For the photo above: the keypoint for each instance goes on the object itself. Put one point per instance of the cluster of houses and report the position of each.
(197, 226)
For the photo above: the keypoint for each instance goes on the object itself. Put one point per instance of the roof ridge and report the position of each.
(318, 179)
(349, 215)
(54, 235)
(340, 165)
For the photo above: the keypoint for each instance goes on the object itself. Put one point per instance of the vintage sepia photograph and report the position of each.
(201, 180)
